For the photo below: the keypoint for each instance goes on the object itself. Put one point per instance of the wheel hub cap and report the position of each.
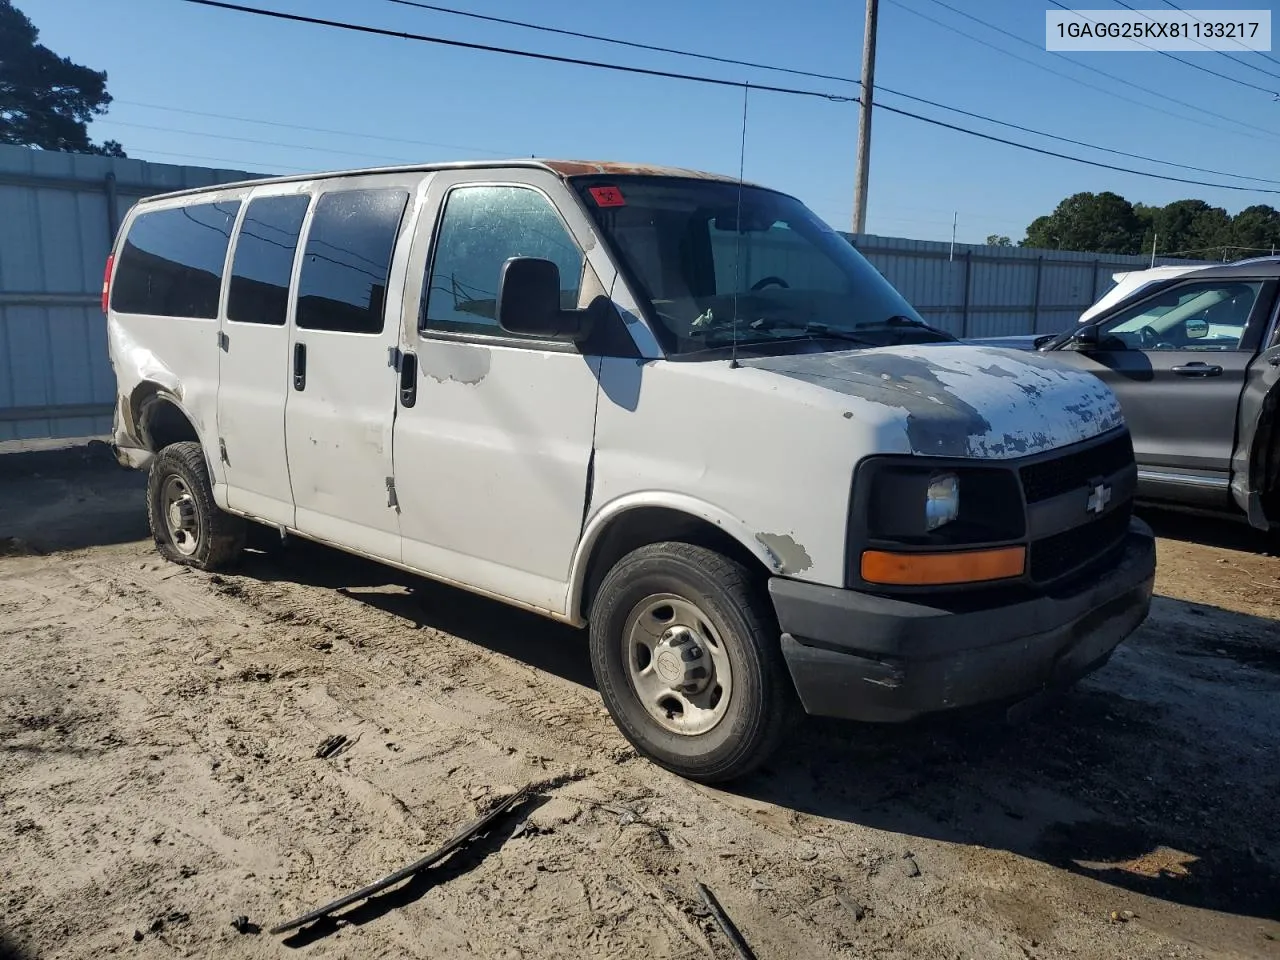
(677, 664)
(680, 661)
(180, 516)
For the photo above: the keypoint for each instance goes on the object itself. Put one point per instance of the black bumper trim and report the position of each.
(866, 657)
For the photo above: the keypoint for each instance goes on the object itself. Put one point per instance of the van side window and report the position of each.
(483, 227)
(172, 261)
(263, 261)
(348, 260)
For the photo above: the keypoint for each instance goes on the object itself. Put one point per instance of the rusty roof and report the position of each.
(562, 168)
(590, 168)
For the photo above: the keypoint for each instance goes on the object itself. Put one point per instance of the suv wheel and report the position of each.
(687, 658)
(186, 523)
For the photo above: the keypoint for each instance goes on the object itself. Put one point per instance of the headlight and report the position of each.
(942, 500)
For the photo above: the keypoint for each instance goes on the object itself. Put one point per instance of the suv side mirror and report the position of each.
(529, 301)
(1086, 338)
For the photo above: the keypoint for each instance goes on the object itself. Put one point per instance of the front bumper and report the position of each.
(864, 657)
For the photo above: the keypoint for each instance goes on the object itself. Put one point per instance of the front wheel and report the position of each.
(186, 524)
(687, 658)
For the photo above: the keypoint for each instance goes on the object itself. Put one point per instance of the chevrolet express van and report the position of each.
(669, 406)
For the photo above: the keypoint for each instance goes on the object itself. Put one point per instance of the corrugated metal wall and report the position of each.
(58, 214)
(980, 291)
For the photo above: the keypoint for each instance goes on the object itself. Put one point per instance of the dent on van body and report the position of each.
(964, 401)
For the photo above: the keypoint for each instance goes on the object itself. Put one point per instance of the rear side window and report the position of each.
(172, 261)
(348, 260)
(263, 262)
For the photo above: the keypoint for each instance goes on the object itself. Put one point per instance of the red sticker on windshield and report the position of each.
(608, 197)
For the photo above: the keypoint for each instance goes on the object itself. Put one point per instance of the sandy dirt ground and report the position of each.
(159, 777)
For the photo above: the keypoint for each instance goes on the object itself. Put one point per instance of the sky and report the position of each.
(354, 100)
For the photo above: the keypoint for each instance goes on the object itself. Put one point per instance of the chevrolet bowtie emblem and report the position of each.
(1099, 497)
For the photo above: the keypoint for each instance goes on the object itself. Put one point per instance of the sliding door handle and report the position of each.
(408, 379)
(299, 366)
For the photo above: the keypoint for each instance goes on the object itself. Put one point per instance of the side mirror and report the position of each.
(1086, 338)
(529, 301)
(1197, 328)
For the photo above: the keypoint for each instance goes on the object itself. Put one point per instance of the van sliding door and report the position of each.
(341, 385)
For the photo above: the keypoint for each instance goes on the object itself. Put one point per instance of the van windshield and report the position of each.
(715, 264)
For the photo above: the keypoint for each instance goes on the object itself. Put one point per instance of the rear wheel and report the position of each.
(186, 524)
(686, 655)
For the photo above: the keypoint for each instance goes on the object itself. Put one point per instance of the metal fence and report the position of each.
(58, 217)
(59, 213)
(980, 291)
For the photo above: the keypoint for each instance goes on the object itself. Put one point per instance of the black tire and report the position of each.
(762, 704)
(217, 537)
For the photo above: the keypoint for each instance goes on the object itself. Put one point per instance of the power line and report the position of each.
(619, 67)
(298, 126)
(1166, 53)
(1078, 143)
(764, 66)
(1250, 128)
(1261, 53)
(241, 163)
(1066, 156)
(509, 51)
(264, 143)
(1236, 58)
(622, 43)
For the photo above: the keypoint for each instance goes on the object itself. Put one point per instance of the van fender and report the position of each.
(600, 521)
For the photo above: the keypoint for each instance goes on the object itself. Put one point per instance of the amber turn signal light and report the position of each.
(931, 569)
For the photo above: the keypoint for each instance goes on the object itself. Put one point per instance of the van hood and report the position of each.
(957, 400)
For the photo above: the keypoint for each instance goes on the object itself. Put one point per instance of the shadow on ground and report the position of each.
(1130, 792)
(68, 499)
(1227, 532)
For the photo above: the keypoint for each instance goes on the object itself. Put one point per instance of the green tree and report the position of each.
(997, 240)
(1191, 228)
(1095, 222)
(1256, 230)
(46, 101)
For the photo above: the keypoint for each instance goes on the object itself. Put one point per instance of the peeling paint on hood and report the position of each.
(958, 400)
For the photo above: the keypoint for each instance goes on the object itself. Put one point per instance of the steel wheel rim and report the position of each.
(181, 518)
(677, 664)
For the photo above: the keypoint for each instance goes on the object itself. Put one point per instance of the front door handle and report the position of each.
(408, 379)
(1198, 369)
(299, 366)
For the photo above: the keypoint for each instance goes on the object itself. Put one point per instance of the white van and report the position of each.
(675, 408)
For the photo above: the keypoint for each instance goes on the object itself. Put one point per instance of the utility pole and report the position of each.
(864, 117)
(1154, 238)
(955, 217)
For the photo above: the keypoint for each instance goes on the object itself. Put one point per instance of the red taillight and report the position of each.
(106, 282)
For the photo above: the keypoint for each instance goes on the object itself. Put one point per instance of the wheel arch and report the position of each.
(160, 418)
(640, 519)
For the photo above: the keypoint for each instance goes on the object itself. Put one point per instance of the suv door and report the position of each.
(341, 394)
(253, 371)
(1177, 362)
(493, 440)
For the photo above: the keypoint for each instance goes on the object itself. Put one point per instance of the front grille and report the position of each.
(1059, 555)
(1049, 478)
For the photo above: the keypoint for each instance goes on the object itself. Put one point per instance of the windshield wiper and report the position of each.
(822, 330)
(899, 320)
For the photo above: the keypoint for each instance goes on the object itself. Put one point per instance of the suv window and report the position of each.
(347, 263)
(1211, 315)
(263, 261)
(172, 261)
(482, 228)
